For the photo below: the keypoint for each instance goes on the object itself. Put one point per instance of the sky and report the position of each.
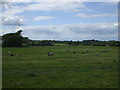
(61, 20)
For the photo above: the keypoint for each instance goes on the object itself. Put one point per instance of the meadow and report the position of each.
(65, 69)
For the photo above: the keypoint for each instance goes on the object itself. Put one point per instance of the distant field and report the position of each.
(60, 44)
(65, 69)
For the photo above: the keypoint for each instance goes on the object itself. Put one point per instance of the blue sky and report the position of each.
(61, 20)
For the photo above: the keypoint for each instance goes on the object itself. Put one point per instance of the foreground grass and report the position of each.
(65, 69)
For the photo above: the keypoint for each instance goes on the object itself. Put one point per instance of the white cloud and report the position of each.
(9, 14)
(10, 29)
(63, 0)
(39, 18)
(57, 6)
(11, 8)
(100, 31)
(82, 15)
(82, 31)
(13, 11)
(4, 4)
(12, 21)
(115, 24)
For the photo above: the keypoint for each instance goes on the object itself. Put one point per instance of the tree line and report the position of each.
(17, 40)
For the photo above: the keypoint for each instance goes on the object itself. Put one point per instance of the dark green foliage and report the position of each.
(15, 40)
(12, 39)
(100, 43)
(41, 43)
(26, 41)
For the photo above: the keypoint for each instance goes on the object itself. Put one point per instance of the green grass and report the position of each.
(34, 69)
(59, 44)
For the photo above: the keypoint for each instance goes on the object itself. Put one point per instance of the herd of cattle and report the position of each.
(51, 53)
(11, 54)
(83, 52)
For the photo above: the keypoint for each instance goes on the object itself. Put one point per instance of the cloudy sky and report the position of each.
(61, 20)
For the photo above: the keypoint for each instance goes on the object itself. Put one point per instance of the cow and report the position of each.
(11, 54)
(96, 53)
(50, 54)
(74, 52)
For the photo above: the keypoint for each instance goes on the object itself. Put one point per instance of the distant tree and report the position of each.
(70, 42)
(12, 39)
(26, 41)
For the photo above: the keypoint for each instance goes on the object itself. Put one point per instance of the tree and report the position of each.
(12, 39)
(26, 41)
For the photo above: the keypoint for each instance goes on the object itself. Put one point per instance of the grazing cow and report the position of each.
(50, 54)
(17, 54)
(74, 52)
(96, 53)
(12, 54)
(8, 53)
(105, 50)
(86, 51)
(83, 52)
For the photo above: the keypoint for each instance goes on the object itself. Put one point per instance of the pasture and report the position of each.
(65, 69)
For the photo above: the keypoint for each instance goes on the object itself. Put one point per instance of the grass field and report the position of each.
(65, 69)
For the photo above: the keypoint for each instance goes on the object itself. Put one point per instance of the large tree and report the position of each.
(12, 39)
